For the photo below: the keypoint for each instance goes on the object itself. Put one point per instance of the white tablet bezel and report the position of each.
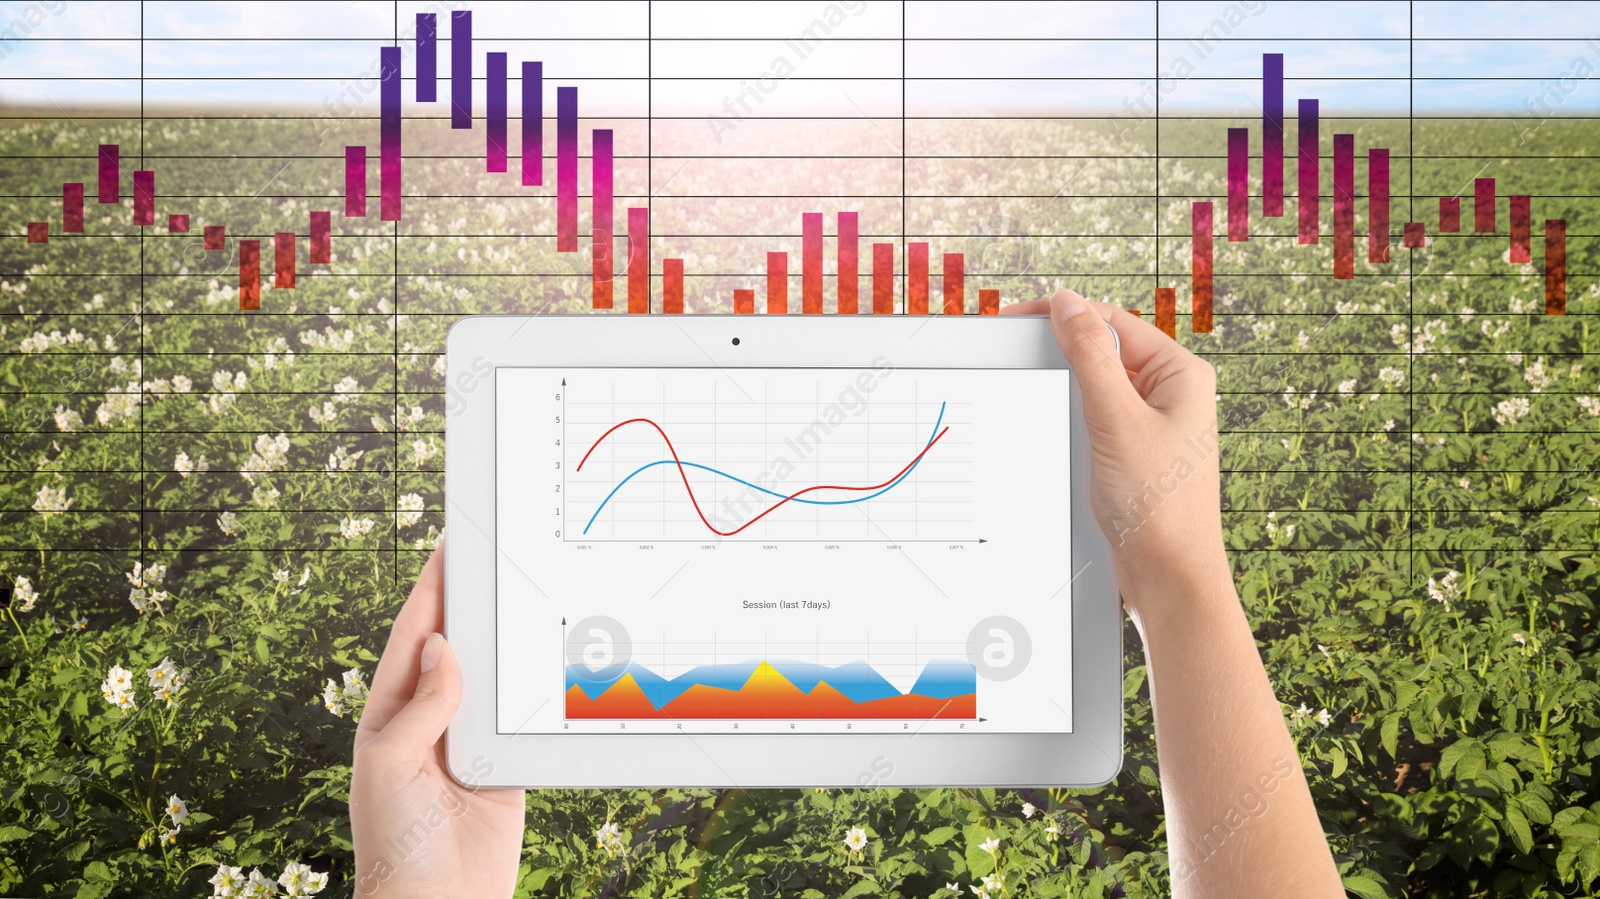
(478, 756)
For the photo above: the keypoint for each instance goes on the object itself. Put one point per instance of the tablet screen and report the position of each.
(771, 550)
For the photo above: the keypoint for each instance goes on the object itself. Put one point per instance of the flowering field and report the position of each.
(210, 519)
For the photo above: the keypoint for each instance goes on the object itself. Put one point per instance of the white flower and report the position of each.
(226, 883)
(1590, 404)
(117, 688)
(1392, 376)
(229, 523)
(1053, 831)
(182, 465)
(343, 460)
(994, 881)
(23, 594)
(346, 391)
(281, 576)
(408, 510)
(1324, 717)
(1028, 810)
(953, 886)
(160, 676)
(177, 809)
(1347, 388)
(855, 839)
(67, 419)
(609, 838)
(143, 599)
(991, 845)
(300, 880)
(1520, 639)
(324, 414)
(260, 886)
(170, 835)
(264, 499)
(423, 450)
(355, 687)
(351, 528)
(181, 384)
(1300, 714)
(1510, 411)
(270, 455)
(1324, 650)
(332, 699)
(50, 501)
(1445, 589)
(304, 576)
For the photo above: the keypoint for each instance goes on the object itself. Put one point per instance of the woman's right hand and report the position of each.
(1152, 418)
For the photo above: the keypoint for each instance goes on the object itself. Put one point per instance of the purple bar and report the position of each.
(427, 57)
(1344, 206)
(355, 181)
(1310, 172)
(72, 207)
(389, 135)
(461, 69)
(533, 123)
(566, 170)
(1272, 134)
(497, 112)
(1238, 184)
(144, 198)
(1378, 205)
(110, 174)
(604, 266)
(1483, 205)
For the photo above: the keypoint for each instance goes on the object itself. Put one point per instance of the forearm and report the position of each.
(1240, 820)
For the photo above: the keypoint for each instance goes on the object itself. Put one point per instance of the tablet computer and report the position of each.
(753, 551)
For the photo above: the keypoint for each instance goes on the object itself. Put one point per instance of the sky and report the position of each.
(1009, 57)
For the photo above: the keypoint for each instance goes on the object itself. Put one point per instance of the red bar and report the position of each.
(1310, 172)
(321, 238)
(1167, 311)
(1136, 313)
(744, 302)
(954, 284)
(72, 208)
(1483, 205)
(1238, 184)
(849, 262)
(1555, 266)
(1201, 268)
(216, 237)
(811, 263)
(249, 274)
(1416, 236)
(38, 232)
(355, 181)
(1378, 205)
(672, 286)
(1521, 225)
(283, 260)
(110, 174)
(144, 198)
(1449, 214)
(917, 279)
(601, 224)
(883, 279)
(988, 302)
(638, 260)
(777, 283)
(1344, 206)
(177, 224)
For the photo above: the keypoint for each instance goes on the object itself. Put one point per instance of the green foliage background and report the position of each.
(1458, 759)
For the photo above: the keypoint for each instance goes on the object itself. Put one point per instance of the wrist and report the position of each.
(1196, 580)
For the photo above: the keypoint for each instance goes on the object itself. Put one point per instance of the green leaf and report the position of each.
(94, 890)
(1517, 828)
(1336, 755)
(1390, 735)
(939, 835)
(862, 888)
(11, 832)
(1365, 887)
(97, 870)
(262, 651)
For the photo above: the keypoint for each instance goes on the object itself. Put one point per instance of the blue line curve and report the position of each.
(813, 502)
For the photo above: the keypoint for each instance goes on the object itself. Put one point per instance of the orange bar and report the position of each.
(38, 232)
(249, 274)
(1136, 313)
(955, 286)
(917, 279)
(849, 262)
(811, 263)
(1555, 266)
(988, 302)
(283, 260)
(672, 286)
(744, 302)
(1167, 310)
(777, 283)
(1200, 267)
(883, 279)
(639, 261)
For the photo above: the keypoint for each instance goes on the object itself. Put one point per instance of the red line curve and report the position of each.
(770, 509)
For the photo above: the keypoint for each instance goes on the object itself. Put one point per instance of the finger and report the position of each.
(1027, 307)
(1156, 360)
(396, 677)
(1090, 349)
(410, 737)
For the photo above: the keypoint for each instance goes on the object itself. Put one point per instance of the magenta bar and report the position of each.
(72, 207)
(601, 217)
(1416, 236)
(110, 174)
(461, 69)
(427, 57)
(1310, 169)
(1483, 205)
(177, 224)
(811, 263)
(321, 238)
(1521, 227)
(389, 135)
(1344, 206)
(144, 198)
(1200, 267)
(496, 111)
(566, 170)
(1450, 214)
(355, 182)
(1272, 134)
(1238, 184)
(532, 123)
(1378, 205)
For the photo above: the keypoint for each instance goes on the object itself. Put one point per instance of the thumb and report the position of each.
(416, 728)
(1092, 352)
